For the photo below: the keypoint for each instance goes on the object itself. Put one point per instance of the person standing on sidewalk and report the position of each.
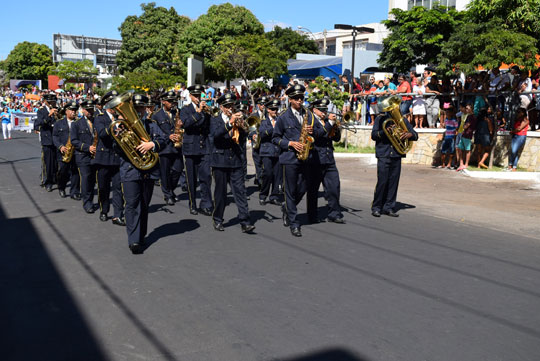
(519, 136)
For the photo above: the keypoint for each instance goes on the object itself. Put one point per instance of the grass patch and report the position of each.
(494, 169)
(340, 148)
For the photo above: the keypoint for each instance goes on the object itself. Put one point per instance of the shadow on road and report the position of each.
(336, 354)
(171, 229)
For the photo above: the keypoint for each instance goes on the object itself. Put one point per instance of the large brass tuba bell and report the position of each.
(395, 126)
(254, 122)
(130, 131)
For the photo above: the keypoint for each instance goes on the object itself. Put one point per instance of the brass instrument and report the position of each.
(306, 139)
(253, 123)
(178, 130)
(212, 111)
(345, 121)
(94, 143)
(130, 132)
(395, 127)
(68, 154)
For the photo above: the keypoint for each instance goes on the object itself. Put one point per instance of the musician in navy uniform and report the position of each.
(83, 137)
(271, 176)
(138, 185)
(388, 167)
(171, 162)
(107, 162)
(196, 149)
(261, 114)
(66, 171)
(46, 117)
(324, 168)
(286, 135)
(228, 134)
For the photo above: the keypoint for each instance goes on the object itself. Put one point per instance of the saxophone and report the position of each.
(94, 143)
(306, 139)
(68, 154)
(178, 130)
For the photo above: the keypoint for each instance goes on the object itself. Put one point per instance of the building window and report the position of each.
(359, 44)
(429, 3)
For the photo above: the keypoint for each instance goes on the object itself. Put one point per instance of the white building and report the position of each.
(408, 4)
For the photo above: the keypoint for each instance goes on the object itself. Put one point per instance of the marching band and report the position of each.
(292, 152)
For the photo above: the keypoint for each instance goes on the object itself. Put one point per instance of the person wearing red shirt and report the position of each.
(406, 100)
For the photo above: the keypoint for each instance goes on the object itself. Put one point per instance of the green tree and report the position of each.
(321, 88)
(248, 57)
(203, 35)
(417, 36)
(487, 44)
(151, 80)
(522, 16)
(292, 42)
(150, 39)
(29, 61)
(79, 71)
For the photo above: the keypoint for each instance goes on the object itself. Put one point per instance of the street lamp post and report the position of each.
(355, 31)
(309, 31)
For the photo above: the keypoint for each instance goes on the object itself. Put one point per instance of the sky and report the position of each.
(37, 20)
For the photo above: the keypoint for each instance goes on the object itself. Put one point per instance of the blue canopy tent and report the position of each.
(310, 69)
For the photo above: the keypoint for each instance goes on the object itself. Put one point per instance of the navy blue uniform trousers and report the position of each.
(388, 173)
(271, 177)
(296, 181)
(236, 177)
(170, 166)
(88, 181)
(48, 164)
(68, 171)
(108, 175)
(198, 167)
(137, 196)
(328, 175)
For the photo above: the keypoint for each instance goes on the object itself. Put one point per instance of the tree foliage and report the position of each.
(417, 36)
(487, 44)
(321, 88)
(522, 16)
(78, 71)
(203, 35)
(146, 81)
(29, 61)
(150, 38)
(292, 42)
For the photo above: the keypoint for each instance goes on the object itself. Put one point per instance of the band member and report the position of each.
(196, 148)
(61, 139)
(84, 138)
(271, 175)
(99, 107)
(138, 185)
(260, 113)
(171, 162)
(46, 117)
(228, 133)
(107, 163)
(324, 165)
(388, 168)
(287, 132)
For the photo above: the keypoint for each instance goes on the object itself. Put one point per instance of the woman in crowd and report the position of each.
(483, 136)
(419, 104)
(519, 136)
(6, 123)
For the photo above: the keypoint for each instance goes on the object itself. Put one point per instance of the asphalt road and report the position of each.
(425, 286)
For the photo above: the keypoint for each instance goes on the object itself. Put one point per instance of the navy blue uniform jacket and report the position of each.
(226, 153)
(105, 154)
(383, 147)
(267, 149)
(196, 130)
(60, 135)
(82, 138)
(323, 147)
(44, 124)
(166, 126)
(287, 129)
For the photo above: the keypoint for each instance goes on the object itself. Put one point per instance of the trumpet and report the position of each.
(212, 111)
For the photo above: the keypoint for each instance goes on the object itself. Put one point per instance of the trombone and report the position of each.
(345, 121)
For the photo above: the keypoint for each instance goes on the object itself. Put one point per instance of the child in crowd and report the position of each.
(500, 120)
(448, 146)
(465, 144)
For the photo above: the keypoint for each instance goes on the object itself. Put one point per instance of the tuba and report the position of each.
(395, 126)
(131, 132)
(306, 139)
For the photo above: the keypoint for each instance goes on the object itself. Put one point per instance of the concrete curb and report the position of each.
(534, 176)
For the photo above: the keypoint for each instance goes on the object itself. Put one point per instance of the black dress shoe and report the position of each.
(62, 193)
(262, 202)
(284, 217)
(219, 227)
(376, 214)
(103, 217)
(89, 210)
(337, 220)
(118, 221)
(206, 211)
(169, 201)
(76, 197)
(193, 211)
(275, 202)
(247, 228)
(136, 248)
(391, 214)
(295, 231)
(177, 198)
(48, 187)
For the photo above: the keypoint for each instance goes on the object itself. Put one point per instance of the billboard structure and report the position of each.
(101, 51)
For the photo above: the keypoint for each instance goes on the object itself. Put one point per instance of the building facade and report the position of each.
(409, 4)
